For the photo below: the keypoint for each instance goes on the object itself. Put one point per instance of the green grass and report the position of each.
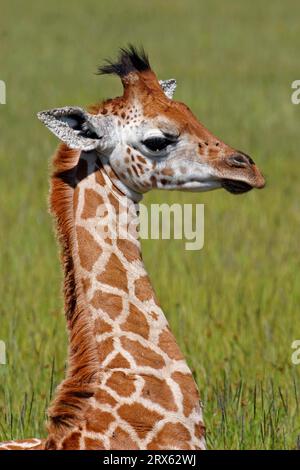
(234, 306)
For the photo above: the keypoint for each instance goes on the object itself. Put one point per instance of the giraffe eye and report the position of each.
(156, 144)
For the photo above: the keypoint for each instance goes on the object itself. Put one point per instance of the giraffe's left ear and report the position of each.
(168, 86)
(77, 128)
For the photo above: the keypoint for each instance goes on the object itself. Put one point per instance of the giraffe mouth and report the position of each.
(235, 186)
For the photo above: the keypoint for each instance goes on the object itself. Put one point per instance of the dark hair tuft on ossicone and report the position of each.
(130, 60)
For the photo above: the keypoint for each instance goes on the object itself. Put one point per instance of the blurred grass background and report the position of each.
(234, 306)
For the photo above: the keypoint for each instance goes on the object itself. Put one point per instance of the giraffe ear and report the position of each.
(168, 86)
(75, 127)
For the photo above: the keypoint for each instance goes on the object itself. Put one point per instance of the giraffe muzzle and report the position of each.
(241, 174)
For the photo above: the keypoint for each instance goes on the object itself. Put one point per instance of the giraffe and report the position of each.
(127, 385)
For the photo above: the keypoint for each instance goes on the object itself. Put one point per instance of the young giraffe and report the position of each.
(128, 385)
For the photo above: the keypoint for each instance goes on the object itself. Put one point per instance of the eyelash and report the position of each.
(156, 144)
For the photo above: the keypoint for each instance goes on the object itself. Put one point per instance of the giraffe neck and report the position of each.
(123, 360)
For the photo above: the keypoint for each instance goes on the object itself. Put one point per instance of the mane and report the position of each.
(68, 407)
(130, 60)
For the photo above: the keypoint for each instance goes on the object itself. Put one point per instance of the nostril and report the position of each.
(242, 154)
(240, 160)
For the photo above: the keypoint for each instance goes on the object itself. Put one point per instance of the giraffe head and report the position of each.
(151, 141)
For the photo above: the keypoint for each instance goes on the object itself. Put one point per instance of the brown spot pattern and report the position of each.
(114, 274)
(93, 444)
(98, 420)
(100, 178)
(72, 442)
(122, 383)
(104, 398)
(86, 284)
(104, 348)
(121, 440)
(92, 201)
(119, 362)
(136, 322)
(110, 303)
(199, 431)
(188, 390)
(142, 356)
(129, 249)
(167, 172)
(168, 344)
(115, 203)
(140, 418)
(158, 391)
(141, 159)
(101, 327)
(171, 435)
(88, 250)
(143, 289)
